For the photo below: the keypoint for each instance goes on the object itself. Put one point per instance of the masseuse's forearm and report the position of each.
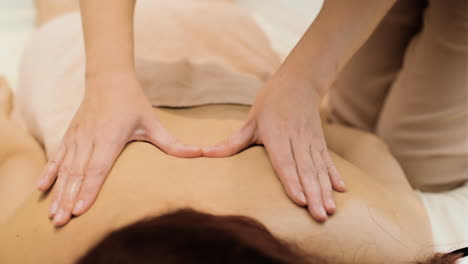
(341, 27)
(108, 35)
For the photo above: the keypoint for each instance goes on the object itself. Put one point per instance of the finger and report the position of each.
(73, 183)
(162, 139)
(308, 178)
(51, 170)
(282, 160)
(101, 162)
(335, 177)
(324, 181)
(62, 173)
(234, 144)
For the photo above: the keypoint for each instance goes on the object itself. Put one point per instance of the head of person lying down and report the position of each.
(187, 236)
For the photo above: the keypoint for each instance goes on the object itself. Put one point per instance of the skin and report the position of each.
(385, 225)
(279, 119)
(20, 158)
(97, 134)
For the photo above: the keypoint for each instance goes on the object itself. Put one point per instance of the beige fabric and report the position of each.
(194, 53)
(409, 85)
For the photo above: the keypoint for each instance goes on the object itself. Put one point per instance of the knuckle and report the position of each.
(331, 165)
(76, 175)
(89, 193)
(287, 165)
(71, 144)
(53, 163)
(310, 168)
(95, 172)
(307, 170)
(85, 192)
(325, 185)
(327, 195)
(318, 146)
(325, 188)
(321, 168)
(292, 185)
(315, 195)
(291, 182)
(304, 132)
(64, 170)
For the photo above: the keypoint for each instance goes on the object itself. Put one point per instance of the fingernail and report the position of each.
(342, 185)
(59, 216)
(331, 204)
(53, 209)
(40, 183)
(302, 198)
(322, 212)
(78, 207)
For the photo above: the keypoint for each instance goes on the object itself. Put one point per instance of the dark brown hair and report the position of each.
(443, 258)
(187, 236)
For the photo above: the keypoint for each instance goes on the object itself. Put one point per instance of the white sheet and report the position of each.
(16, 25)
(284, 23)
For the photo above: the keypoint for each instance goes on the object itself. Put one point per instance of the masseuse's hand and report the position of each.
(285, 119)
(114, 111)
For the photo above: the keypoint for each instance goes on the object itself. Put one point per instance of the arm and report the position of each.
(338, 31)
(285, 118)
(113, 112)
(108, 35)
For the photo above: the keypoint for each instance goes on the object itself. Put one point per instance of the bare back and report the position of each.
(379, 220)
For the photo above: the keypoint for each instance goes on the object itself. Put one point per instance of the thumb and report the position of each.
(161, 138)
(234, 144)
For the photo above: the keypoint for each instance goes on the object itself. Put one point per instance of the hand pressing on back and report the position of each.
(114, 111)
(285, 119)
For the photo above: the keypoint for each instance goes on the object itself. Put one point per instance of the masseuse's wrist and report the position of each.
(315, 72)
(92, 70)
(117, 62)
(110, 79)
(295, 81)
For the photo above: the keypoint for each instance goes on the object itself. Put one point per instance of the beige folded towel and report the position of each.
(188, 52)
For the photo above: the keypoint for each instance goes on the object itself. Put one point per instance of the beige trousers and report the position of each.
(408, 84)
